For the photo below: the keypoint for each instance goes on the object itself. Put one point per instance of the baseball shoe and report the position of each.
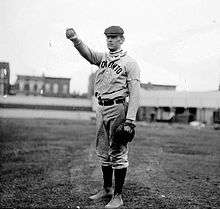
(102, 194)
(115, 202)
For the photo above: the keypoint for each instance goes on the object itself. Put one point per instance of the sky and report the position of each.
(175, 42)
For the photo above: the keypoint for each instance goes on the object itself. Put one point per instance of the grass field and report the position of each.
(48, 163)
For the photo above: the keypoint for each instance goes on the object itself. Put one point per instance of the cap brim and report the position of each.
(113, 34)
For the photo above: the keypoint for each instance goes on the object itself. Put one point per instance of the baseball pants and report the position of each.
(110, 152)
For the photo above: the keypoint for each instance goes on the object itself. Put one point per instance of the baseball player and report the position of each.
(116, 87)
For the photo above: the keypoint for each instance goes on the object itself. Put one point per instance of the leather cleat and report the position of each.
(102, 194)
(115, 202)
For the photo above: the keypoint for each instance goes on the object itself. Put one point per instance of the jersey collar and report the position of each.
(116, 55)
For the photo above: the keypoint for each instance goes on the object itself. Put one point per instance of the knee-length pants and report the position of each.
(110, 152)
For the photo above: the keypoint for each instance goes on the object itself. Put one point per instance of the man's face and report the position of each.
(114, 42)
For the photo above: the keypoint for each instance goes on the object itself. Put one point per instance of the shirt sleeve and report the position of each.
(133, 71)
(134, 99)
(133, 81)
(93, 57)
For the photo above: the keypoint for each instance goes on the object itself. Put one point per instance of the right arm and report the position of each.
(91, 56)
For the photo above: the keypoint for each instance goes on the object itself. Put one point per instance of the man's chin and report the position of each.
(112, 49)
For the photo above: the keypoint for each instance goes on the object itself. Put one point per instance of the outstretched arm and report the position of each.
(91, 56)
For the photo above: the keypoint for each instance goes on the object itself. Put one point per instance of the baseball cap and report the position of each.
(114, 30)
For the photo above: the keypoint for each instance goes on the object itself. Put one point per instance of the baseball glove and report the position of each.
(124, 134)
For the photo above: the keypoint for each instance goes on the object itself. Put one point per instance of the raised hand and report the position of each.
(71, 34)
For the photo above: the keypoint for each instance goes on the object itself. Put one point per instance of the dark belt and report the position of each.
(109, 102)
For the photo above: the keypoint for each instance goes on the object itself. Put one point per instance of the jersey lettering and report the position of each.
(115, 67)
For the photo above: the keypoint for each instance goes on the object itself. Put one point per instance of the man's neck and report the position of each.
(115, 51)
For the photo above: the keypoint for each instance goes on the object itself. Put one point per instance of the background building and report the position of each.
(56, 86)
(151, 86)
(41, 85)
(4, 78)
(186, 106)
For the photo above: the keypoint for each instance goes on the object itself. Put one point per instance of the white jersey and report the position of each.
(115, 72)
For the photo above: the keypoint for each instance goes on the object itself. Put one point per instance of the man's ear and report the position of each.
(122, 39)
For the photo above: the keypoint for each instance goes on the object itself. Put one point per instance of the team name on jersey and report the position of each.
(115, 67)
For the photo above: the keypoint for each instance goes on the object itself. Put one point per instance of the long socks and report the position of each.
(107, 172)
(119, 180)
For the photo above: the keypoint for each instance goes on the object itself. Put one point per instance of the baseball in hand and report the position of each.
(70, 33)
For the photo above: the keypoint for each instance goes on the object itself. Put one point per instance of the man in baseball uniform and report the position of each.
(117, 85)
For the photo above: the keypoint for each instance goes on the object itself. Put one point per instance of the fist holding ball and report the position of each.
(71, 34)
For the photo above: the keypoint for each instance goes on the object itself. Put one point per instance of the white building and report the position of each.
(187, 106)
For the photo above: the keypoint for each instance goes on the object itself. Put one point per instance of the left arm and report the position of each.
(134, 99)
(133, 82)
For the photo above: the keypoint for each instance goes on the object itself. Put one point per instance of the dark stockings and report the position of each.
(119, 179)
(107, 172)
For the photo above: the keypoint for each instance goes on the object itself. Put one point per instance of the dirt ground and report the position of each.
(51, 163)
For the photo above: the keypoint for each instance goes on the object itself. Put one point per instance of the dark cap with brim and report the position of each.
(114, 31)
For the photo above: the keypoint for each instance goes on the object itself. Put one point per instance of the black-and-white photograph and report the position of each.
(110, 104)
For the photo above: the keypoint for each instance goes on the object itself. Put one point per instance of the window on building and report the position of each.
(47, 87)
(21, 85)
(27, 87)
(65, 88)
(3, 73)
(180, 110)
(35, 87)
(55, 88)
(166, 109)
